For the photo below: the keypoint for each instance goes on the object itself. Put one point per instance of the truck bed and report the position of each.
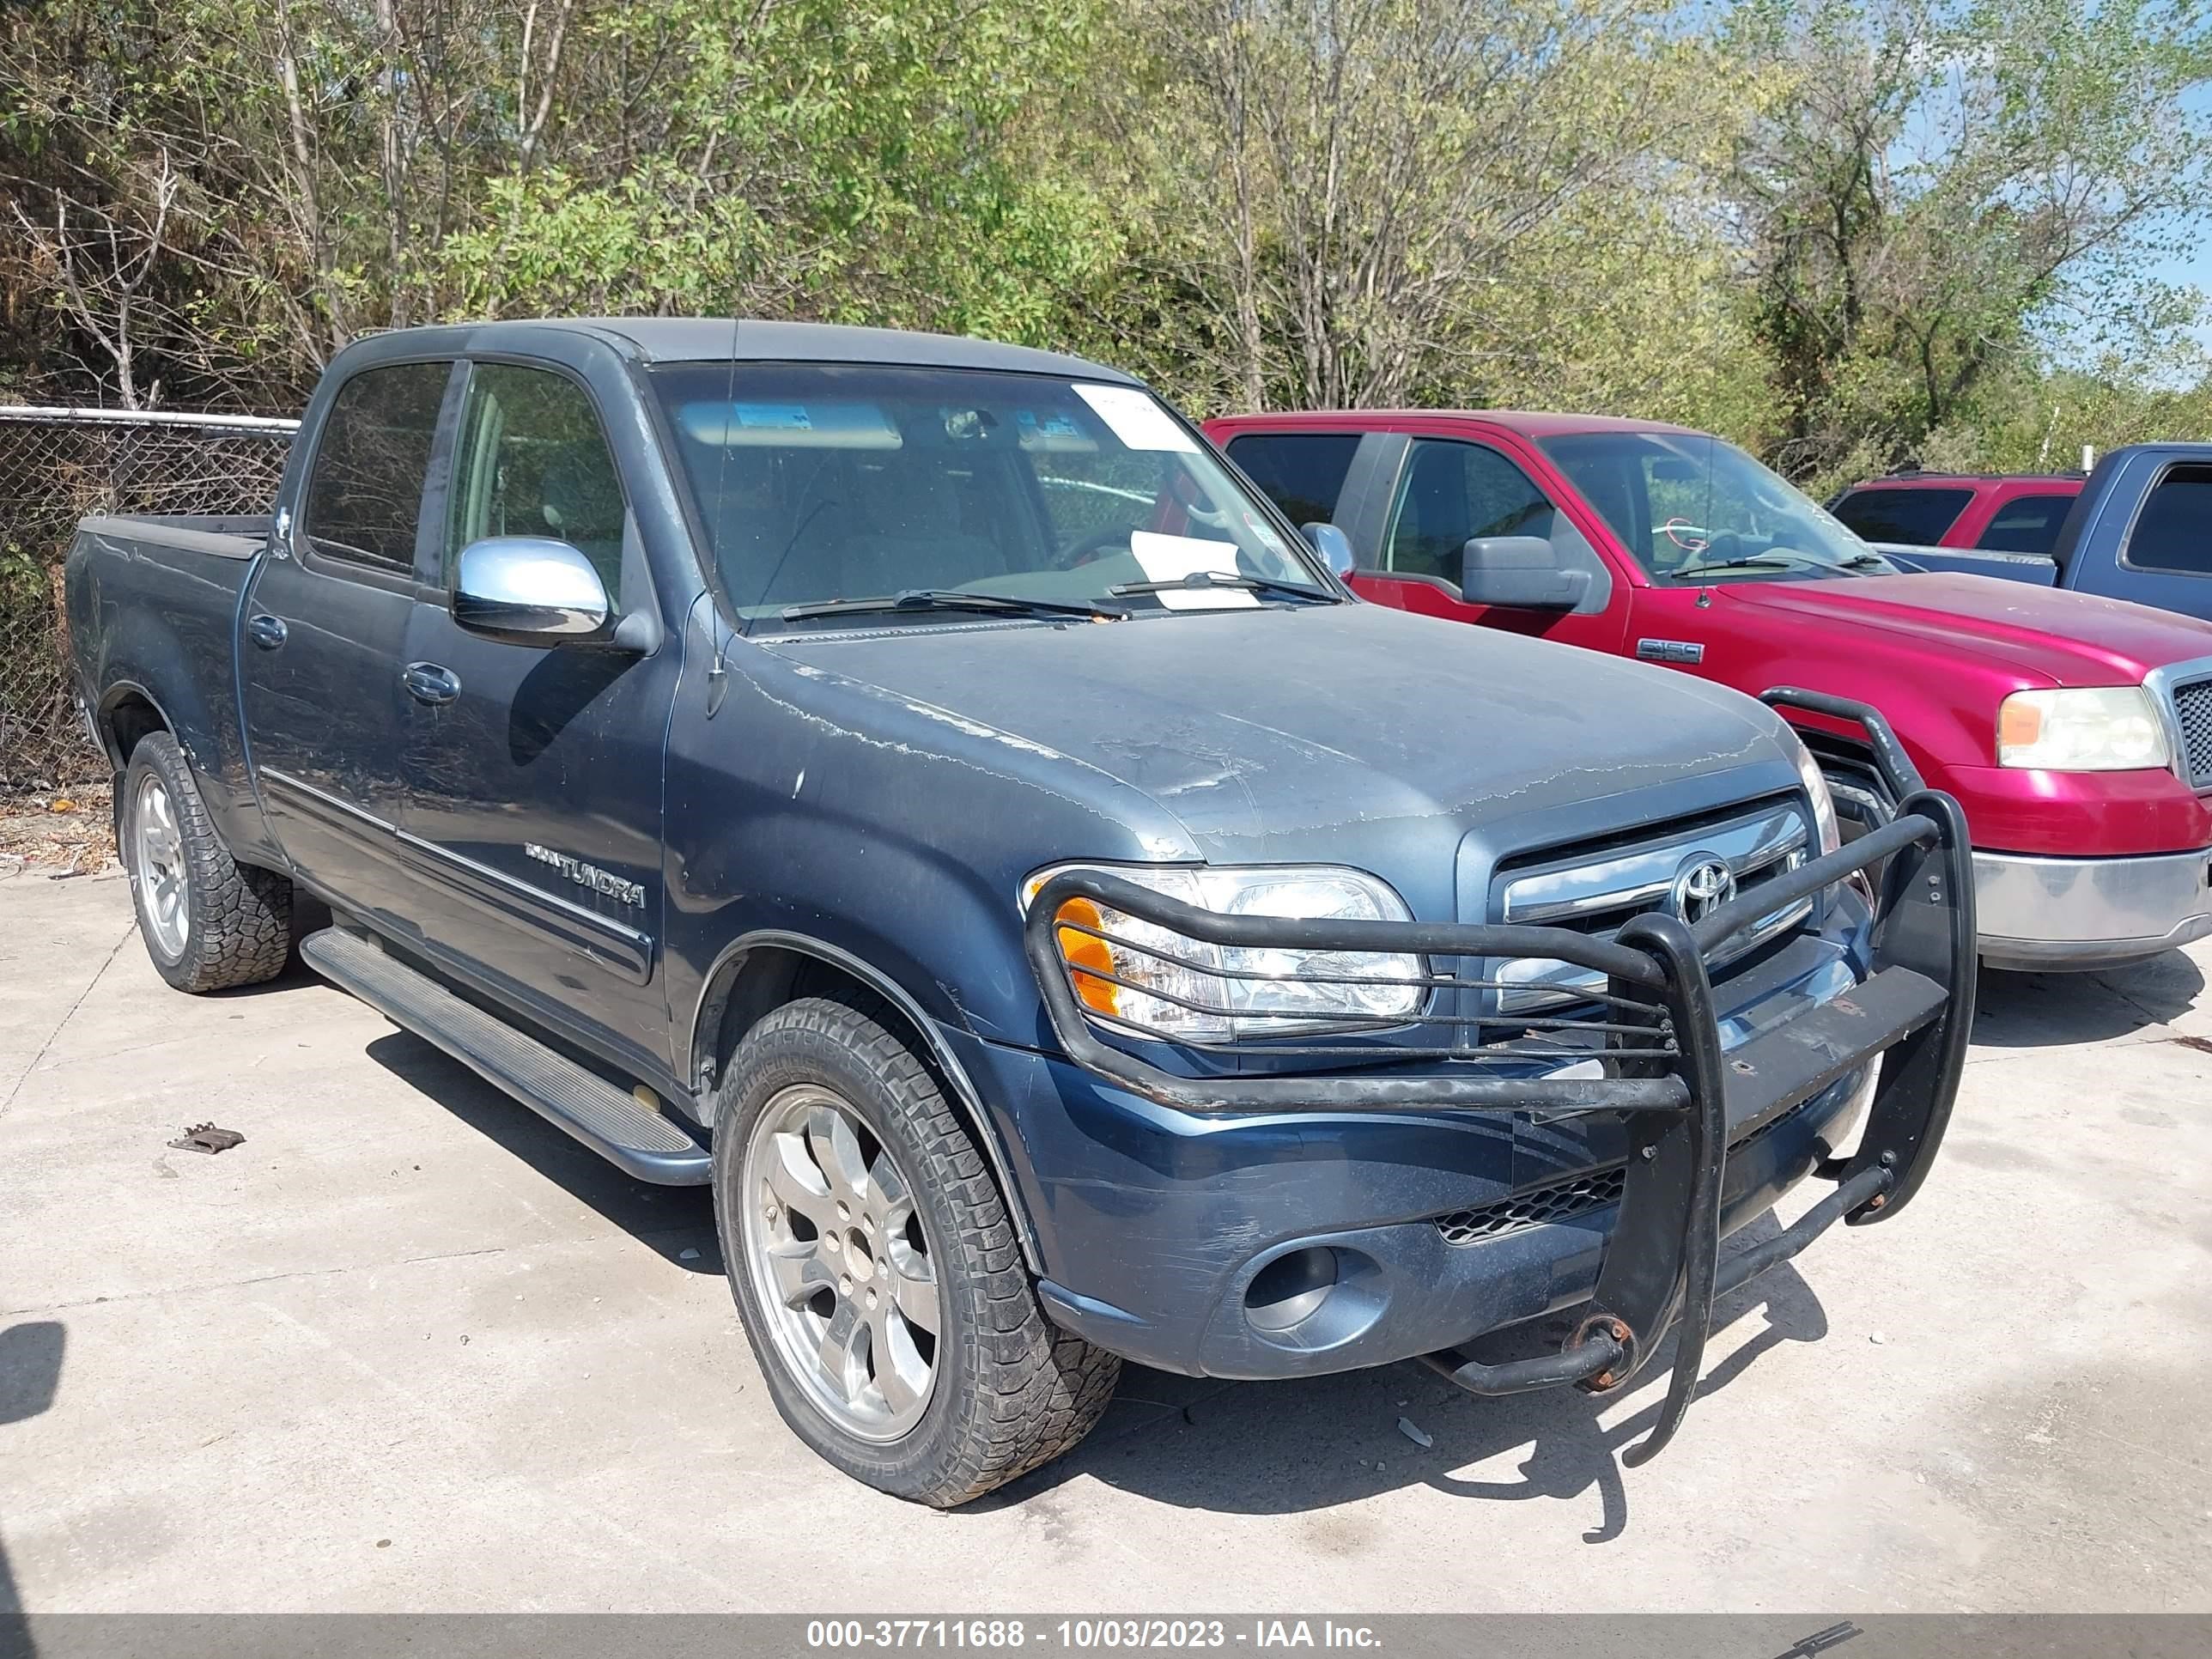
(153, 603)
(225, 535)
(2033, 569)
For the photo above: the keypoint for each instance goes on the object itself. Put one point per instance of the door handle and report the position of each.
(426, 682)
(267, 632)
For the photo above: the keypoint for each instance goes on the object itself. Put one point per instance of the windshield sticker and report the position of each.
(1263, 532)
(1052, 434)
(782, 415)
(1170, 558)
(1136, 418)
(789, 426)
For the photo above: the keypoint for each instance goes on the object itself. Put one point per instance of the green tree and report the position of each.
(214, 195)
(1354, 199)
(1943, 186)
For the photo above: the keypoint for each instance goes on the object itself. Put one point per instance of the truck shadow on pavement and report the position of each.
(1241, 1448)
(678, 1223)
(1315, 1445)
(2045, 1010)
(30, 1376)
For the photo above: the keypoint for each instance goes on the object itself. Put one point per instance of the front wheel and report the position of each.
(209, 921)
(876, 1271)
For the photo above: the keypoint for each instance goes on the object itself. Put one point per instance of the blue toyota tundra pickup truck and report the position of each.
(918, 788)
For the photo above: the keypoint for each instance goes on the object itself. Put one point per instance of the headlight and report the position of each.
(2105, 728)
(1816, 786)
(1293, 992)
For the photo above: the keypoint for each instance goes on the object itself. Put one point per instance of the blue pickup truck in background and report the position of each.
(2140, 528)
(917, 788)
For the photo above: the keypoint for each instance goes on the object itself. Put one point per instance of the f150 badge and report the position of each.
(1670, 651)
(587, 875)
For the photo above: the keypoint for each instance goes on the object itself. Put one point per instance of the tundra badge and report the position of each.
(587, 875)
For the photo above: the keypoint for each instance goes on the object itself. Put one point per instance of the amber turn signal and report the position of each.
(1086, 950)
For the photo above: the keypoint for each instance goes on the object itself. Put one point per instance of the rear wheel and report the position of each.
(876, 1271)
(209, 921)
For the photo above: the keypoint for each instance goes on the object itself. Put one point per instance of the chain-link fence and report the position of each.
(55, 466)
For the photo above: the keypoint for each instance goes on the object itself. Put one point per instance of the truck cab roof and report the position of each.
(746, 339)
(1530, 424)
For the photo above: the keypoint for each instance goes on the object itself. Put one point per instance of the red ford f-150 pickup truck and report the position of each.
(2139, 527)
(2076, 730)
(2014, 515)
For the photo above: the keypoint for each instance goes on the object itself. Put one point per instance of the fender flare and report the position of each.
(706, 1018)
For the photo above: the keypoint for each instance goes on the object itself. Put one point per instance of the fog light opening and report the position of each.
(1291, 1289)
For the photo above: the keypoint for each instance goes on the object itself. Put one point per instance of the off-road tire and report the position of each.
(1012, 1392)
(241, 915)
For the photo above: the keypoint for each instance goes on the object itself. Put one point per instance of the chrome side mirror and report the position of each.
(1333, 546)
(529, 590)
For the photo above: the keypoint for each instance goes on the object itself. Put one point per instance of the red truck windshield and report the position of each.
(1693, 509)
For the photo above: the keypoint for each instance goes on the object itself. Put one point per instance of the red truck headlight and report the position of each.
(2094, 728)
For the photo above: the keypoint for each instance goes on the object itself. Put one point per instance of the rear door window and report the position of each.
(1917, 518)
(2026, 524)
(364, 494)
(2174, 530)
(1301, 472)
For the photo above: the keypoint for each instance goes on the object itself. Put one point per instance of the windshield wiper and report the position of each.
(1737, 564)
(950, 598)
(1200, 581)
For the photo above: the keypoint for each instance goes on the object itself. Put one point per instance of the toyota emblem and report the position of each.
(1703, 888)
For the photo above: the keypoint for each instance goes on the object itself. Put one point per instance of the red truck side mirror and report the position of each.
(1519, 570)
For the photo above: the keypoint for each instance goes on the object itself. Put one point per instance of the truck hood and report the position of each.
(1296, 733)
(2066, 638)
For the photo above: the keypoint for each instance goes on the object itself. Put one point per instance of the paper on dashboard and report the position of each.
(1170, 558)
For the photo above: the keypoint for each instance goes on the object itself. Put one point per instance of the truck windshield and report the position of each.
(960, 493)
(1694, 510)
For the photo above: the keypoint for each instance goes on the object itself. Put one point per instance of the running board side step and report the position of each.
(639, 1142)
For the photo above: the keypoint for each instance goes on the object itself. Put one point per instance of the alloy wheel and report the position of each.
(157, 865)
(838, 1258)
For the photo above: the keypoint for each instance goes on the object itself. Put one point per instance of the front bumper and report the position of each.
(1460, 1256)
(1680, 1097)
(2038, 912)
(2045, 913)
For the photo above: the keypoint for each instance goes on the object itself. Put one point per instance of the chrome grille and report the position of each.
(1595, 891)
(2193, 713)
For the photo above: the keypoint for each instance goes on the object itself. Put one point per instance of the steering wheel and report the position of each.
(1084, 548)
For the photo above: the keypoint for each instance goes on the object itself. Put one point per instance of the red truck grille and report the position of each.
(2192, 713)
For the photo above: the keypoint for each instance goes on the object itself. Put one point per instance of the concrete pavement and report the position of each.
(409, 1347)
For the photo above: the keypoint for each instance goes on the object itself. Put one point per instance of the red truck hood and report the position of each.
(2073, 639)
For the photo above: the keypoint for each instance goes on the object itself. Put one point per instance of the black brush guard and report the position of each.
(1661, 1054)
